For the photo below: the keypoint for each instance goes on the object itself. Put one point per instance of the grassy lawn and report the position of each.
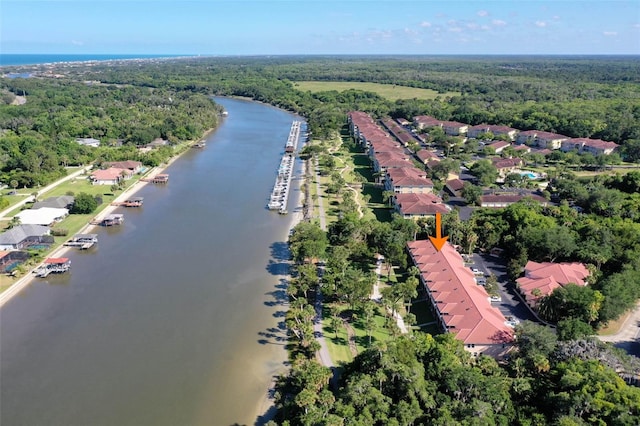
(391, 92)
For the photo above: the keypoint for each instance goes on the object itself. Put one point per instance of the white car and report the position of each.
(496, 298)
(512, 321)
(476, 271)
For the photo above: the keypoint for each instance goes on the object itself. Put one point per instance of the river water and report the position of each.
(175, 317)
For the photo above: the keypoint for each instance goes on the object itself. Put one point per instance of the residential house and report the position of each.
(414, 206)
(61, 202)
(498, 146)
(94, 143)
(460, 306)
(453, 128)
(478, 130)
(505, 200)
(407, 180)
(424, 155)
(44, 216)
(592, 146)
(10, 259)
(404, 136)
(390, 159)
(454, 187)
(523, 148)
(110, 176)
(498, 130)
(157, 143)
(541, 279)
(541, 139)
(133, 166)
(426, 122)
(506, 165)
(22, 236)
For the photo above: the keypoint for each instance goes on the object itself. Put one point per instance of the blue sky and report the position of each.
(278, 27)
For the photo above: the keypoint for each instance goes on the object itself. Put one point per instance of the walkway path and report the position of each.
(629, 331)
(323, 354)
(376, 296)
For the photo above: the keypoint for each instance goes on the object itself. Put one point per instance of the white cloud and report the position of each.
(77, 43)
(609, 33)
(483, 13)
(541, 24)
(455, 29)
(556, 18)
(498, 23)
(425, 24)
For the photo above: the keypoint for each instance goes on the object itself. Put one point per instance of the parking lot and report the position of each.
(510, 304)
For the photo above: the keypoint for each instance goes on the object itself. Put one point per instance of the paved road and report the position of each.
(628, 338)
(44, 190)
(511, 304)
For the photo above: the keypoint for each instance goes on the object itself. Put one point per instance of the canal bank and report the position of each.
(176, 317)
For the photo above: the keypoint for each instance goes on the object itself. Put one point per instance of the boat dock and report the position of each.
(131, 202)
(110, 220)
(280, 193)
(82, 241)
(161, 178)
(57, 265)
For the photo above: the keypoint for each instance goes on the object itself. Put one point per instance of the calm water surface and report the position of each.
(173, 319)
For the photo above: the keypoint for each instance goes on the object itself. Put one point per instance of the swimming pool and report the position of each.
(530, 175)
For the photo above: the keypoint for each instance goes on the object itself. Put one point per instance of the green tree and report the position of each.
(83, 203)
(471, 193)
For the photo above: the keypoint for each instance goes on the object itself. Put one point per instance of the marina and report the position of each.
(280, 193)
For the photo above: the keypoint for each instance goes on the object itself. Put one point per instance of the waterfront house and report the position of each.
(110, 176)
(61, 202)
(23, 236)
(9, 260)
(541, 279)
(459, 305)
(133, 166)
(44, 216)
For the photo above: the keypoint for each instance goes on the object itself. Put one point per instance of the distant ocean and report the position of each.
(12, 59)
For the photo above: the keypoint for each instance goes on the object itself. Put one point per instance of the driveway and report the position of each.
(511, 304)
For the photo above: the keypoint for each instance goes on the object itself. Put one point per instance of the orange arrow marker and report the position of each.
(438, 241)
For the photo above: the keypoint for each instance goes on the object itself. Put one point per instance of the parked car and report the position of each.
(496, 298)
(481, 281)
(512, 321)
(477, 271)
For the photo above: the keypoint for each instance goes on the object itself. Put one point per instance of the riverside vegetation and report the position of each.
(565, 378)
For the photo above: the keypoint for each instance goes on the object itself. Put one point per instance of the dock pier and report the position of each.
(280, 193)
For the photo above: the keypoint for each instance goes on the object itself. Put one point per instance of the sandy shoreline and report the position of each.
(29, 277)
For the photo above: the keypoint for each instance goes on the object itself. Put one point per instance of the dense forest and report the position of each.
(563, 378)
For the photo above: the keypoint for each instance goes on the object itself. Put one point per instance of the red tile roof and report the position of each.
(594, 143)
(425, 154)
(420, 204)
(408, 176)
(56, 260)
(463, 305)
(547, 276)
(111, 173)
(506, 163)
(427, 121)
(455, 184)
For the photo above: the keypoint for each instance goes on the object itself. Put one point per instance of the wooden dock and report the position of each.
(110, 220)
(132, 202)
(161, 178)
